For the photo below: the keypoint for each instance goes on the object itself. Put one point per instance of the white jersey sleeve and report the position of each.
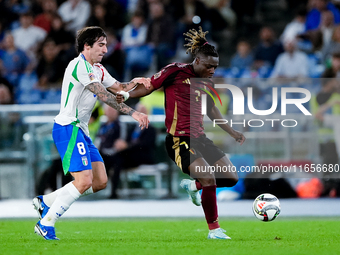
(106, 79)
(85, 73)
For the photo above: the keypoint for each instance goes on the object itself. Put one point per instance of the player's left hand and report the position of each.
(142, 119)
(141, 80)
(239, 137)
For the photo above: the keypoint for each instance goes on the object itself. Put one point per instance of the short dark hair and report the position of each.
(27, 14)
(138, 13)
(301, 11)
(198, 44)
(88, 35)
(336, 54)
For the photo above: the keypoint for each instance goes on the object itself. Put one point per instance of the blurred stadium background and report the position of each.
(31, 80)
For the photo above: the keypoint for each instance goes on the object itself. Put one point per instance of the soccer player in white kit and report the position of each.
(85, 80)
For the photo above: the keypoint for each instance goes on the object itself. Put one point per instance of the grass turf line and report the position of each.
(173, 236)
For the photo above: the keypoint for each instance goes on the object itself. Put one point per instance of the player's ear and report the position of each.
(86, 46)
(197, 60)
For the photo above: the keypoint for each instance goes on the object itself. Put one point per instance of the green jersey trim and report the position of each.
(88, 67)
(70, 87)
(74, 73)
(69, 151)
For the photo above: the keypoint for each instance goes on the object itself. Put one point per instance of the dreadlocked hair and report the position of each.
(197, 43)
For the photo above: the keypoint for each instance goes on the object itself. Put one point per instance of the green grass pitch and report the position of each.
(174, 236)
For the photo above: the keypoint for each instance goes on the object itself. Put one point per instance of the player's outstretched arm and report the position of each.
(110, 99)
(139, 91)
(127, 86)
(214, 113)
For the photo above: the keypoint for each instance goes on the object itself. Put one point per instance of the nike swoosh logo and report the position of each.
(44, 233)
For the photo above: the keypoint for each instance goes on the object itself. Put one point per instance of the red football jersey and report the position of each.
(182, 99)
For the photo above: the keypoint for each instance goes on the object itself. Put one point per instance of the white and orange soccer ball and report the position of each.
(266, 207)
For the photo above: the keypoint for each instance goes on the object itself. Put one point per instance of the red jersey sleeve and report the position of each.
(158, 79)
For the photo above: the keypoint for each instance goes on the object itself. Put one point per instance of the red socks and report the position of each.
(209, 205)
(198, 185)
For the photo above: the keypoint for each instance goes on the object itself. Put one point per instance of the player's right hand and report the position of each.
(142, 119)
(141, 80)
(238, 136)
(120, 98)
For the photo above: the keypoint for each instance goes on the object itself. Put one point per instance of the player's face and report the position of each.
(98, 50)
(205, 66)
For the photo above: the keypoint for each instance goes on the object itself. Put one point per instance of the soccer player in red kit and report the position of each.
(186, 142)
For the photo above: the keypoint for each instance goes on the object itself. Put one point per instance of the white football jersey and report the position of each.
(77, 102)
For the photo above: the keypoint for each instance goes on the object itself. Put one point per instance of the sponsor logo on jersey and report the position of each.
(187, 81)
(91, 76)
(157, 75)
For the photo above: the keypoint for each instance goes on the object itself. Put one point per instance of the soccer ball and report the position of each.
(266, 207)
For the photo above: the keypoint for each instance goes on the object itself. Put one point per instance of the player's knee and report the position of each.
(102, 184)
(231, 181)
(99, 184)
(85, 184)
(207, 182)
(234, 180)
(99, 187)
(227, 182)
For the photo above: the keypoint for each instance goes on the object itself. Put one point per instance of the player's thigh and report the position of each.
(83, 176)
(99, 176)
(226, 172)
(209, 150)
(200, 170)
(98, 167)
(99, 171)
(82, 180)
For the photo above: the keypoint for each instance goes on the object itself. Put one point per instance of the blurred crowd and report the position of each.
(37, 39)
